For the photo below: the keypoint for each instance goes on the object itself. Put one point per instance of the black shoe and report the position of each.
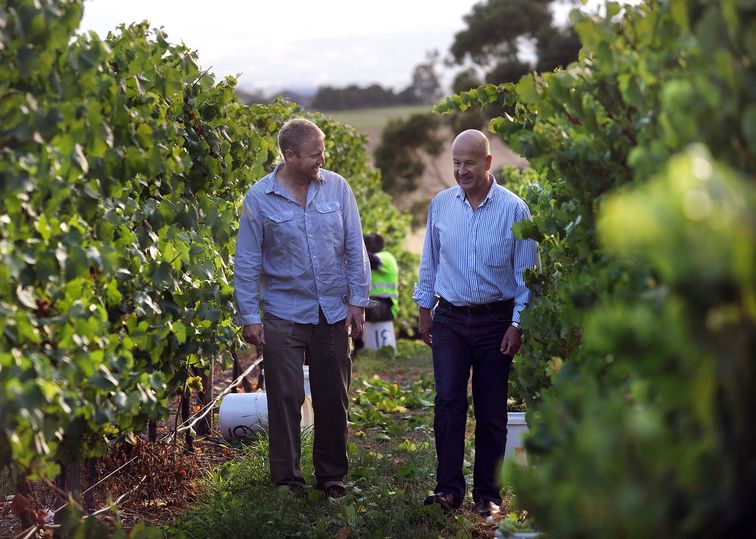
(486, 508)
(335, 490)
(446, 500)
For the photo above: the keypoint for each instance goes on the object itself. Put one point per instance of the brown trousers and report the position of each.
(330, 375)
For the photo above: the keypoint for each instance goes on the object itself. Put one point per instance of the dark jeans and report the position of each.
(462, 342)
(330, 374)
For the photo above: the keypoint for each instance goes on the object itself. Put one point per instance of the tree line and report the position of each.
(496, 40)
(502, 41)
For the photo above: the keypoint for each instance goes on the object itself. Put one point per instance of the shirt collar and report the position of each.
(275, 187)
(491, 191)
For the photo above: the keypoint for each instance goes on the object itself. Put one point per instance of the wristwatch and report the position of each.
(516, 325)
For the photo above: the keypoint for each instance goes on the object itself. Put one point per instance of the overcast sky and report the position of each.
(277, 44)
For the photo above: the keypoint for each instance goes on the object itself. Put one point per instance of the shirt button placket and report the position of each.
(476, 222)
(310, 245)
(470, 244)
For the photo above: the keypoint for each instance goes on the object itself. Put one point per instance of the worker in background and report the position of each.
(384, 281)
(384, 297)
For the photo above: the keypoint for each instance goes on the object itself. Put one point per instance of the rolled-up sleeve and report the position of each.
(424, 294)
(358, 264)
(525, 257)
(247, 264)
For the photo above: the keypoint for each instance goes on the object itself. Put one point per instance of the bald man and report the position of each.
(470, 295)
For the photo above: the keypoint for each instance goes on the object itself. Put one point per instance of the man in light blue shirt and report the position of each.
(300, 254)
(471, 272)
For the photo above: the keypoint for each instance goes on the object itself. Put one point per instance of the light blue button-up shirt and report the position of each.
(297, 260)
(472, 257)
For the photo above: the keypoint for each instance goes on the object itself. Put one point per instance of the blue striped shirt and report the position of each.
(472, 257)
(297, 260)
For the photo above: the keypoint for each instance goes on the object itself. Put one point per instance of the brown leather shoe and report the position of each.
(334, 490)
(446, 500)
(486, 508)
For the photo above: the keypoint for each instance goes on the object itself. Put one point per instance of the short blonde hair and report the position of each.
(295, 132)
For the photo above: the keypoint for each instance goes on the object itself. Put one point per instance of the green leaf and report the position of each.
(526, 90)
(75, 260)
(103, 379)
(612, 9)
(180, 331)
(144, 136)
(80, 159)
(114, 296)
(679, 11)
(26, 297)
(749, 127)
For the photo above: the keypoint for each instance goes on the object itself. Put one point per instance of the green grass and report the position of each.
(367, 120)
(392, 469)
(411, 358)
(384, 491)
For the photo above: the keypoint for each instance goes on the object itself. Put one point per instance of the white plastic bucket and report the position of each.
(516, 428)
(306, 372)
(376, 335)
(308, 416)
(243, 414)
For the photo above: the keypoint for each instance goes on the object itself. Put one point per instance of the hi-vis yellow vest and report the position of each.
(384, 281)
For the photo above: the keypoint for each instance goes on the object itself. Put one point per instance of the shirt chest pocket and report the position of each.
(278, 217)
(499, 253)
(279, 223)
(330, 221)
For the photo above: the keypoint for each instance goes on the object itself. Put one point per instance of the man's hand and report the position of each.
(355, 318)
(425, 325)
(512, 341)
(254, 334)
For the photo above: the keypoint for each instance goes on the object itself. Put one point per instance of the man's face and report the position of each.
(306, 163)
(471, 166)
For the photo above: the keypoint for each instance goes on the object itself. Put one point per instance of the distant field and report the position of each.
(372, 120)
(438, 170)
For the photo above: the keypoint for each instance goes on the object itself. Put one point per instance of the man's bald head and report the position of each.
(473, 141)
(471, 157)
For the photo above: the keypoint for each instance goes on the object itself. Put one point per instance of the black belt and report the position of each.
(503, 306)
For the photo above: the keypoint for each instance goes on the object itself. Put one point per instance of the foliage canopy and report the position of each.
(638, 369)
(122, 172)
